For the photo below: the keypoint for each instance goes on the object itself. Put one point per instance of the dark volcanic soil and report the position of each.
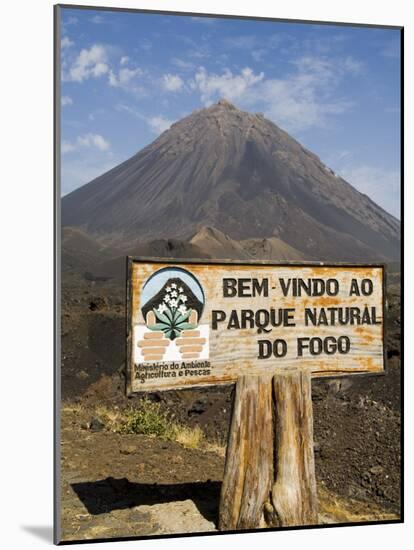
(131, 485)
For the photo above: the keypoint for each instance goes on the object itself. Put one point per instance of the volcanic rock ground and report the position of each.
(131, 485)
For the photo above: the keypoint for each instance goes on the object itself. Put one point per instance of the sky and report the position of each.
(127, 76)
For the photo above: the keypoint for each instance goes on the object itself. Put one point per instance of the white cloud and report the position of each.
(67, 147)
(66, 42)
(90, 63)
(303, 99)
(312, 68)
(69, 21)
(307, 96)
(227, 84)
(124, 76)
(182, 64)
(93, 140)
(172, 82)
(89, 140)
(66, 100)
(159, 124)
(95, 62)
(130, 110)
(382, 186)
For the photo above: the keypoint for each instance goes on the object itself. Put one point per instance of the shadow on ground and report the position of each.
(103, 496)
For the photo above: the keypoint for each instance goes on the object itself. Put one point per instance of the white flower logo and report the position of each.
(172, 298)
(172, 316)
(182, 309)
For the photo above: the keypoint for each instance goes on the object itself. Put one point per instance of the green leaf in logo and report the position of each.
(183, 317)
(161, 317)
(186, 326)
(159, 326)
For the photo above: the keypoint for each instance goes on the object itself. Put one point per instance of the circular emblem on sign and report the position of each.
(172, 301)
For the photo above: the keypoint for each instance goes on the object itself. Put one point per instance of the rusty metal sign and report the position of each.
(200, 323)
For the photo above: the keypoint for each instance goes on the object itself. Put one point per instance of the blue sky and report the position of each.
(127, 76)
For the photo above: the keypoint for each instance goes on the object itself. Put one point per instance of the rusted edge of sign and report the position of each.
(130, 260)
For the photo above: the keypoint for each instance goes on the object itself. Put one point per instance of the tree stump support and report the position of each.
(269, 478)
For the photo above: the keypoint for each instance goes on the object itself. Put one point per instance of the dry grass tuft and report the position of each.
(192, 438)
(112, 417)
(72, 408)
(334, 509)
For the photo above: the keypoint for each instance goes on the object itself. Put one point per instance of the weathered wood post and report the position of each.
(269, 475)
(249, 457)
(294, 496)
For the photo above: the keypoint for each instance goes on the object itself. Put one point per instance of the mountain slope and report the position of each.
(241, 174)
(273, 248)
(219, 245)
(79, 251)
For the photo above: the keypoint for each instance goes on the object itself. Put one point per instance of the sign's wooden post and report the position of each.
(249, 458)
(294, 495)
(269, 475)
